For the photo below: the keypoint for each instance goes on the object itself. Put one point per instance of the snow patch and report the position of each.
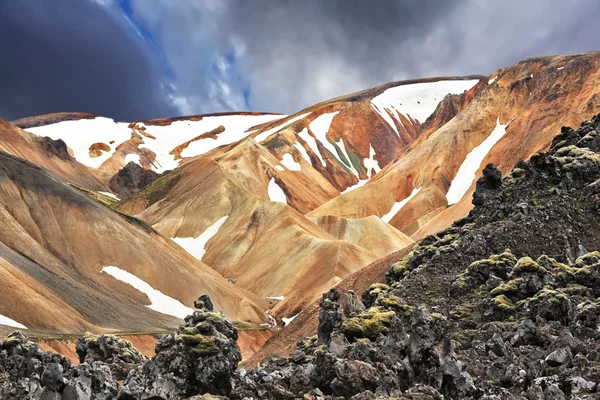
(272, 319)
(419, 100)
(276, 193)
(290, 163)
(287, 321)
(320, 126)
(371, 163)
(11, 322)
(159, 301)
(398, 206)
(312, 143)
(303, 152)
(278, 298)
(110, 195)
(197, 246)
(467, 170)
(492, 80)
(361, 182)
(132, 157)
(264, 135)
(81, 134)
(279, 168)
(559, 68)
(340, 144)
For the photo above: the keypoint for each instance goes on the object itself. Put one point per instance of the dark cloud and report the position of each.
(74, 55)
(290, 54)
(265, 55)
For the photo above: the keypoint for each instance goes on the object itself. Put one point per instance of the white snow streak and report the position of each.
(278, 298)
(110, 195)
(287, 321)
(398, 206)
(370, 165)
(179, 132)
(290, 163)
(11, 322)
(197, 246)
(132, 157)
(159, 301)
(340, 144)
(279, 168)
(81, 134)
(303, 152)
(276, 193)
(467, 170)
(312, 143)
(320, 126)
(264, 135)
(361, 182)
(419, 100)
(492, 80)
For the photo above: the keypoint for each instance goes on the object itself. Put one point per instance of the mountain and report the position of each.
(61, 251)
(263, 210)
(503, 304)
(511, 116)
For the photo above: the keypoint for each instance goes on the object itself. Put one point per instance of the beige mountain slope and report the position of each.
(47, 153)
(514, 116)
(55, 242)
(350, 138)
(264, 246)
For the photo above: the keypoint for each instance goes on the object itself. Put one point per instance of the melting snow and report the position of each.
(81, 134)
(197, 246)
(279, 298)
(11, 322)
(272, 319)
(320, 126)
(276, 193)
(179, 132)
(290, 163)
(466, 172)
(264, 135)
(492, 80)
(132, 157)
(302, 151)
(110, 195)
(159, 302)
(340, 144)
(398, 206)
(371, 163)
(419, 100)
(361, 182)
(287, 321)
(312, 143)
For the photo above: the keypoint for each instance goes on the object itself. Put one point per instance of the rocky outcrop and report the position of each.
(132, 178)
(27, 372)
(118, 353)
(200, 357)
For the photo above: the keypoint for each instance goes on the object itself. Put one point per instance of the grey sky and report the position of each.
(283, 55)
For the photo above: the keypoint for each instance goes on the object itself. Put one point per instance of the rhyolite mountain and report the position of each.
(503, 304)
(266, 212)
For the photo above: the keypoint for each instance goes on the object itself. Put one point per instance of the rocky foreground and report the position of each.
(502, 305)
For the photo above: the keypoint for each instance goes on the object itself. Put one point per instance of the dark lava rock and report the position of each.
(131, 179)
(118, 353)
(201, 357)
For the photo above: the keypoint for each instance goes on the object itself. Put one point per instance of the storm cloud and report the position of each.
(74, 55)
(282, 55)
